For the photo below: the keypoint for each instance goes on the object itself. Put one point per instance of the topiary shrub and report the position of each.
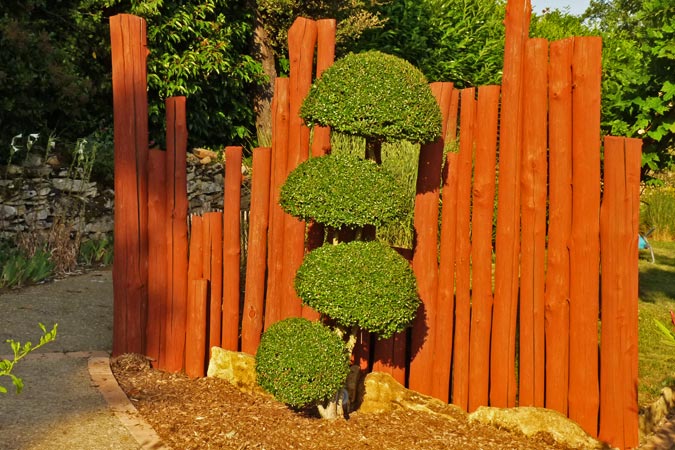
(362, 193)
(301, 363)
(375, 95)
(362, 284)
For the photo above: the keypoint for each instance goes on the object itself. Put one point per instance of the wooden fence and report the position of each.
(535, 301)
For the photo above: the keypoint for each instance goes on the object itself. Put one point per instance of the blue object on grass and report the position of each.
(643, 243)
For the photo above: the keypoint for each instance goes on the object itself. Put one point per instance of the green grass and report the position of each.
(657, 297)
(658, 211)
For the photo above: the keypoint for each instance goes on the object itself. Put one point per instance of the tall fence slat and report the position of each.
(481, 244)
(214, 223)
(584, 239)
(301, 45)
(325, 55)
(254, 294)
(619, 244)
(425, 251)
(533, 225)
(128, 46)
(502, 360)
(157, 255)
(275, 259)
(231, 248)
(446, 280)
(560, 223)
(177, 235)
(460, 359)
(196, 329)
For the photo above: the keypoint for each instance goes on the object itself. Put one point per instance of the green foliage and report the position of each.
(556, 24)
(96, 251)
(17, 269)
(658, 211)
(20, 351)
(378, 96)
(364, 284)
(362, 194)
(301, 362)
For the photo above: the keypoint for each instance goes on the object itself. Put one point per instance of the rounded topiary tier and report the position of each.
(301, 362)
(364, 284)
(374, 95)
(342, 191)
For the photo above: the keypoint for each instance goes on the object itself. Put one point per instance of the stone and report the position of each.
(202, 153)
(652, 416)
(530, 421)
(205, 161)
(7, 212)
(236, 367)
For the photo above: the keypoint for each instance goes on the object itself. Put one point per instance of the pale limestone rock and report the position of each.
(202, 153)
(530, 420)
(653, 415)
(235, 367)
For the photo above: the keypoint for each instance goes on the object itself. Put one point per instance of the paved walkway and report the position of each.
(70, 399)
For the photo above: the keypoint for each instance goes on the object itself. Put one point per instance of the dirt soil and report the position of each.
(209, 413)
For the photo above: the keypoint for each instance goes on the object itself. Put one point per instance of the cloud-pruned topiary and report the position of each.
(375, 95)
(341, 191)
(301, 362)
(364, 284)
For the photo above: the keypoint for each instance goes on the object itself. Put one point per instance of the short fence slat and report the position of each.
(231, 249)
(325, 55)
(460, 361)
(425, 252)
(503, 384)
(172, 351)
(481, 245)
(584, 239)
(446, 279)
(129, 51)
(214, 223)
(533, 225)
(301, 45)
(196, 329)
(254, 294)
(560, 224)
(157, 255)
(275, 259)
(619, 244)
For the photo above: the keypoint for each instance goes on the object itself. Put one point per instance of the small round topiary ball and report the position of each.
(364, 284)
(343, 190)
(375, 95)
(301, 362)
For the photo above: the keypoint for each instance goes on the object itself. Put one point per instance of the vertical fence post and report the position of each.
(325, 55)
(481, 244)
(214, 223)
(619, 245)
(502, 361)
(196, 329)
(560, 223)
(585, 240)
(172, 350)
(231, 248)
(130, 105)
(254, 295)
(533, 225)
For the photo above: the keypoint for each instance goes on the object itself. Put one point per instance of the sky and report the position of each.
(576, 6)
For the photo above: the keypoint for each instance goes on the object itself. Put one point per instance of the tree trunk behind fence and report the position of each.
(502, 362)
(585, 242)
(533, 225)
(130, 104)
(231, 248)
(481, 245)
(560, 223)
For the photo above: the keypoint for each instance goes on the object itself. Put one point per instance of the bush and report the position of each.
(364, 284)
(374, 95)
(362, 194)
(301, 362)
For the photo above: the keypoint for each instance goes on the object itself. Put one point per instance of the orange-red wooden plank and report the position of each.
(231, 248)
(619, 246)
(481, 245)
(195, 348)
(275, 259)
(196, 242)
(254, 294)
(325, 55)
(301, 46)
(560, 223)
(533, 225)
(172, 348)
(130, 105)
(446, 280)
(502, 360)
(460, 367)
(157, 254)
(213, 221)
(584, 238)
(425, 252)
